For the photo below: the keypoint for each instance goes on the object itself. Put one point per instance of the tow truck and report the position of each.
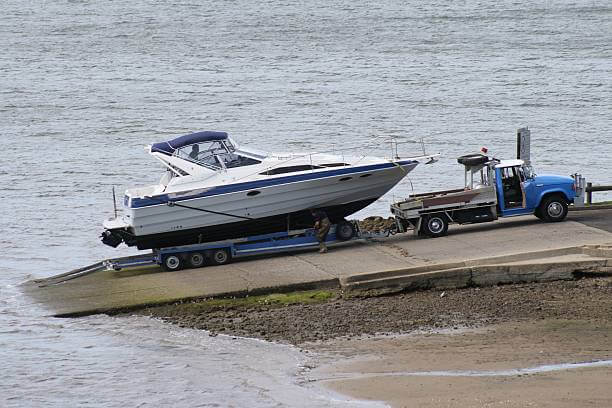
(493, 189)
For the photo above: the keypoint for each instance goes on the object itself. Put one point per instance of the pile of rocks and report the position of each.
(376, 224)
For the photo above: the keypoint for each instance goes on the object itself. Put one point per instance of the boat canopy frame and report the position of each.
(171, 146)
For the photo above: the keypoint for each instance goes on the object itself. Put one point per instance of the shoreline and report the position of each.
(543, 363)
(377, 349)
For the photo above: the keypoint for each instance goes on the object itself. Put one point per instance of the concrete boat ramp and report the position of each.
(521, 249)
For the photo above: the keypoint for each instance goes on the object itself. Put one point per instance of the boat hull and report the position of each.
(240, 229)
(257, 210)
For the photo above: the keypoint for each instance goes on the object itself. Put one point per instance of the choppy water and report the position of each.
(85, 85)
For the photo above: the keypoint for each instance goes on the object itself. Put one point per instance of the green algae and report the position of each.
(254, 302)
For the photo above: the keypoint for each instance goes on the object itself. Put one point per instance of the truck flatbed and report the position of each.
(458, 198)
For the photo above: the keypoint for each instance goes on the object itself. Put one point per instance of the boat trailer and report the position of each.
(221, 252)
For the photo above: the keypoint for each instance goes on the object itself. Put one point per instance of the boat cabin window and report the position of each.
(289, 169)
(236, 160)
(214, 155)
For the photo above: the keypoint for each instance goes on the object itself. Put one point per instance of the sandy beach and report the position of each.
(505, 365)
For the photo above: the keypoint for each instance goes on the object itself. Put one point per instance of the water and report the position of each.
(85, 85)
(475, 373)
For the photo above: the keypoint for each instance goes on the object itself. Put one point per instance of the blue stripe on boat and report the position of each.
(232, 188)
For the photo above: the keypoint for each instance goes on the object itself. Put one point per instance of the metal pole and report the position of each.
(114, 202)
(589, 193)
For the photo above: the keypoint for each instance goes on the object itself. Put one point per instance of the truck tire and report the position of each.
(473, 159)
(344, 231)
(220, 256)
(553, 208)
(196, 260)
(538, 213)
(435, 225)
(172, 263)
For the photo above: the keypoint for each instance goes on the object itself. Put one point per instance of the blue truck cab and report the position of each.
(520, 191)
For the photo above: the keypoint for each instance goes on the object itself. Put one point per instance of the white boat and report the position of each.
(214, 189)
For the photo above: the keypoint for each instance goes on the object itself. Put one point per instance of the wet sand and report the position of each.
(465, 368)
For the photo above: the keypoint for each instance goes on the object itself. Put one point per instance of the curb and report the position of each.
(485, 272)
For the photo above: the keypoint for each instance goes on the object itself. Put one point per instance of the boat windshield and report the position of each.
(214, 155)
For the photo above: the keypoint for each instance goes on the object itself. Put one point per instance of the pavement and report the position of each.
(519, 249)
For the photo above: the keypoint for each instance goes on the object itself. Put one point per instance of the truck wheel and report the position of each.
(220, 256)
(538, 213)
(196, 260)
(344, 231)
(553, 209)
(435, 225)
(172, 263)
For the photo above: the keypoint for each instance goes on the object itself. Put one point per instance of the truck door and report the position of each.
(512, 188)
(529, 189)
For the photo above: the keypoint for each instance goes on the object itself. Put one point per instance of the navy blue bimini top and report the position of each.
(170, 146)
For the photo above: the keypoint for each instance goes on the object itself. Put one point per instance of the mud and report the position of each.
(585, 299)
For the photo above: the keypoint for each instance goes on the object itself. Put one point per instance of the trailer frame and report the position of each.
(223, 252)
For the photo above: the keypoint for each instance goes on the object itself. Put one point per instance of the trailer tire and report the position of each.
(172, 263)
(435, 225)
(220, 256)
(345, 231)
(196, 260)
(553, 208)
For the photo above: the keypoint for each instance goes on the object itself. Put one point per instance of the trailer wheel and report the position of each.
(172, 263)
(345, 230)
(435, 225)
(196, 260)
(220, 256)
(553, 209)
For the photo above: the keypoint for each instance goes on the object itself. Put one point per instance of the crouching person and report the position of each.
(321, 226)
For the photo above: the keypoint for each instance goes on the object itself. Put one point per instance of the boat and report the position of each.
(214, 189)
